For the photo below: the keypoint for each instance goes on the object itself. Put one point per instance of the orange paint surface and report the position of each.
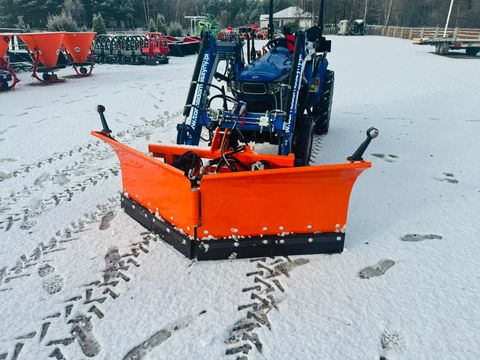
(4, 40)
(284, 199)
(78, 45)
(47, 45)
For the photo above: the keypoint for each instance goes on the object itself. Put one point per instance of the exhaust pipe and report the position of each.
(271, 29)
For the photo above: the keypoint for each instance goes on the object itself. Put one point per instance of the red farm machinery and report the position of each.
(46, 48)
(8, 77)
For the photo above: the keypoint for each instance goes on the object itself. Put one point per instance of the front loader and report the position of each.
(281, 97)
(227, 201)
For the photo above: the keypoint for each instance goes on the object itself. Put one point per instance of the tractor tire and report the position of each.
(323, 108)
(303, 139)
(472, 51)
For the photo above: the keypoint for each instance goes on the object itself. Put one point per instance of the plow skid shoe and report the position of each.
(284, 210)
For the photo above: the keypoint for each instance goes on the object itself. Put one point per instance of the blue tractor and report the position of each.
(280, 95)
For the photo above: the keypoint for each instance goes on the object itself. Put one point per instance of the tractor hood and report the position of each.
(272, 66)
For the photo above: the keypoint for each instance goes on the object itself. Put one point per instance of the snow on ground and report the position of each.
(80, 278)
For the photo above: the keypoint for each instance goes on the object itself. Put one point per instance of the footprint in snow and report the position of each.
(41, 179)
(139, 352)
(449, 177)
(388, 158)
(106, 220)
(376, 270)
(53, 284)
(4, 175)
(418, 237)
(83, 332)
(61, 179)
(45, 270)
(392, 342)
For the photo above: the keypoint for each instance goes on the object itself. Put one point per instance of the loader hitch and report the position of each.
(372, 133)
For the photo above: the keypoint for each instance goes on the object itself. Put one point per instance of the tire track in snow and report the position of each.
(25, 215)
(26, 265)
(93, 147)
(264, 295)
(76, 316)
(12, 214)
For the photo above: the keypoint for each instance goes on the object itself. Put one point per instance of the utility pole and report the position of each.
(365, 13)
(448, 19)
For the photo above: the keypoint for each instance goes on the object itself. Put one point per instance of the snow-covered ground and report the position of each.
(80, 278)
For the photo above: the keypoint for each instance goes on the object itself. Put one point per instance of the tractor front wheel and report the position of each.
(323, 108)
(303, 139)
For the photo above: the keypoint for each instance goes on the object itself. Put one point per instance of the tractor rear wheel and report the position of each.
(303, 139)
(323, 108)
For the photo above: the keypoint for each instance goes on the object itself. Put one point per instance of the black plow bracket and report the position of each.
(105, 129)
(372, 133)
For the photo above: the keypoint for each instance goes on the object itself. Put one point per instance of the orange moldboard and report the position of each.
(282, 201)
(298, 200)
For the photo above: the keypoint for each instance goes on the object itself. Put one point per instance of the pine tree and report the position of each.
(151, 25)
(62, 22)
(99, 24)
(161, 25)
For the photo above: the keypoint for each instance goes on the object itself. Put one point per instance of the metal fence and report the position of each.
(423, 32)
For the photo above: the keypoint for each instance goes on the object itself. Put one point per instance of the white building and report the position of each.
(292, 15)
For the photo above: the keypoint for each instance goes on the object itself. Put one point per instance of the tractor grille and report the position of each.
(254, 88)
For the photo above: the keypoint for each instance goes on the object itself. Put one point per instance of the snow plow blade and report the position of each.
(284, 210)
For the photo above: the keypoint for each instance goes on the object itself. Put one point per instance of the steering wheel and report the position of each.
(279, 42)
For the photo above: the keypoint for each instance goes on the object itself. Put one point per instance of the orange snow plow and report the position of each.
(226, 202)
(79, 48)
(45, 48)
